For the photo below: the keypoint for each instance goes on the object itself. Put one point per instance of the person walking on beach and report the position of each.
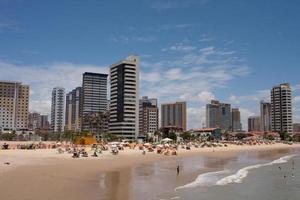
(178, 170)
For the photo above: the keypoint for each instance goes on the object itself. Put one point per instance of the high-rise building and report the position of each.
(281, 108)
(45, 122)
(94, 96)
(265, 116)
(124, 98)
(218, 115)
(254, 123)
(34, 121)
(58, 109)
(236, 119)
(74, 110)
(174, 114)
(148, 115)
(14, 105)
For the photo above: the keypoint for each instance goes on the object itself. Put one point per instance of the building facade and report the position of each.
(14, 105)
(94, 96)
(265, 116)
(45, 125)
(34, 121)
(124, 98)
(174, 114)
(254, 123)
(74, 110)
(218, 115)
(58, 109)
(148, 115)
(236, 120)
(281, 108)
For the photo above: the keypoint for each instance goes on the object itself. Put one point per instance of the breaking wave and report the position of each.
(213, 178)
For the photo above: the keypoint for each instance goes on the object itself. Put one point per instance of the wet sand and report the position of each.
(43, 174)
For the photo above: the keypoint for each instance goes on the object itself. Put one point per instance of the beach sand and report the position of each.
(44, 174)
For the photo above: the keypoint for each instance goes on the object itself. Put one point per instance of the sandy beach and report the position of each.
(45, 174)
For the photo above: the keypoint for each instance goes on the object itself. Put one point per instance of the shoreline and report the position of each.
(19, 157)
(55, 175)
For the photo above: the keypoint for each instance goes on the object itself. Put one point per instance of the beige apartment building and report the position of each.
(14, 105)
(174, 114)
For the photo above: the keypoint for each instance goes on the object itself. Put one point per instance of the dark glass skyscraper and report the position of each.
(94, 96)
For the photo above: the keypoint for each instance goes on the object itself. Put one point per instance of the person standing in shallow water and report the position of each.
(178, 170)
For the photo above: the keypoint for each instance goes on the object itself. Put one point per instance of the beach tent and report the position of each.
(167, 140)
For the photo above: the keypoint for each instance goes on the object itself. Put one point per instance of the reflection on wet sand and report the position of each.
(116, 185)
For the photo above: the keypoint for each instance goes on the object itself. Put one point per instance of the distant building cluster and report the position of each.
(89, 108)
(276, 115)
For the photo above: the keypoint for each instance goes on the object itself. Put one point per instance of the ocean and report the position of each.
(250, 176)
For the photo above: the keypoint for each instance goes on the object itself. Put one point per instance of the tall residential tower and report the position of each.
(265, 116)
(218, 115)
(94, 96)
(148, 115)
(236, 119)
(174, 114)
(74, 110)
(124, 98)
(58, 109)
(281, 108)
(14, 104)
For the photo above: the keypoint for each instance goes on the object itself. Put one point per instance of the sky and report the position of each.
(191, 50)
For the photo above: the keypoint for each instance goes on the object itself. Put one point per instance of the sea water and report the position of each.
(246, 179)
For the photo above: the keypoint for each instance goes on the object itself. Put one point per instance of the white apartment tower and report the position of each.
(124, 98)
(58, 109)
(281, 108)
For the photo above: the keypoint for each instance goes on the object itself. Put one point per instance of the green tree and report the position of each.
(296, 138)
(173, 136)
(110, 137)
(270, 137)
(285, 136)
(240, 136)
(68, 135)
(186, 135)
(8, 136)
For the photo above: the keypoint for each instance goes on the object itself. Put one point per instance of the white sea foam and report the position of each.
(243, 173)
(213, 178)
(205, 179)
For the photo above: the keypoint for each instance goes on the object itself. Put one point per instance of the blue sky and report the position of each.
(193, 50)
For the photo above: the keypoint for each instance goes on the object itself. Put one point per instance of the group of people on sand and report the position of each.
(5, 146)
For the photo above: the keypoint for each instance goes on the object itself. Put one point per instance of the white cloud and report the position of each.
(203, 97)
(150, 77)
(196, 117)
(234, 99)
(42, 78)
(206, 97)
(163, 5)
(180, 48)
(296, 99)
(127, 39)
(245, 113)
